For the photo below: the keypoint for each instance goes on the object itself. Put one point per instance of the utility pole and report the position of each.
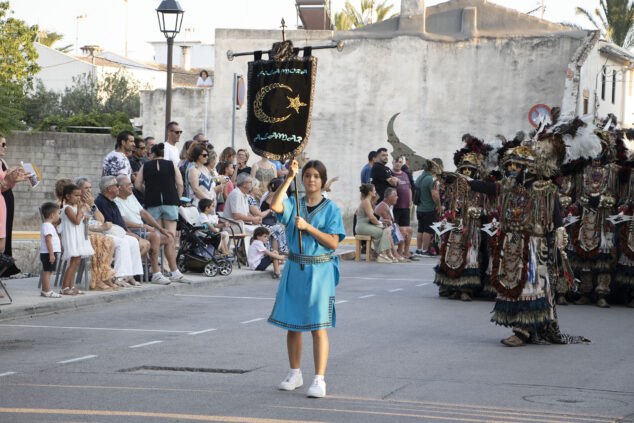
(77, 19)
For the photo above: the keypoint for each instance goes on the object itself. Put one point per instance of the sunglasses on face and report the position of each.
(205, 155)
(176, 132)
(4, 145)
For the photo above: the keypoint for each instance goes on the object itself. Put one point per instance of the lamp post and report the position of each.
(170, 17)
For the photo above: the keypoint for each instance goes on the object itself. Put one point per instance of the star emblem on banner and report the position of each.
(295, 103)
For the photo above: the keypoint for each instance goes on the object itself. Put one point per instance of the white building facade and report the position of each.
(58, 69)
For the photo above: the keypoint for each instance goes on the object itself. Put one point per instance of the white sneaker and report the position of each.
(317, 389)
(159, 279)
(180, 278)
(293, 381)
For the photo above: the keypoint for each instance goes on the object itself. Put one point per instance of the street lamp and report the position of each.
(170, 17)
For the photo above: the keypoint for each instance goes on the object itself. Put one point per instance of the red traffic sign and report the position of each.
(536, 111)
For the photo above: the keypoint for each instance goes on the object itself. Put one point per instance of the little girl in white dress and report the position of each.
(75, 239)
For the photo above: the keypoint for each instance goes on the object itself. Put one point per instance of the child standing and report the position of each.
(207, 218)
(49, 246)
(74, 236)
(259, 257)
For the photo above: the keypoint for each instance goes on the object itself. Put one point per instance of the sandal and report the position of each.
(77, 291)
(513, 341)
(67, 291)
(101, 286)
(50, 294)
(121, 282)
(111, 284)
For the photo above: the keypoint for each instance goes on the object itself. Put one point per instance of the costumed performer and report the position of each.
(460, 267)
(528, 254)
(305, 299)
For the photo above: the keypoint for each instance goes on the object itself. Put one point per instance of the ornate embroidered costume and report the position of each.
(460, 268)
(593, 251)
(528, 259)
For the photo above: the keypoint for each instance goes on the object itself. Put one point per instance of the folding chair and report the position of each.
(239, 239)
(5, 262)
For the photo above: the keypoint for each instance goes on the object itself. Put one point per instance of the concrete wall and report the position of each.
(190, 108)
(58, 155)
(483, 86)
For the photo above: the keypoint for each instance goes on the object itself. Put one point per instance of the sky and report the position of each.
(106, 22)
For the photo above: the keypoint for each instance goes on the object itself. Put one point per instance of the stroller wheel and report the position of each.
(211, 269)
(180, 263)
(225, 267)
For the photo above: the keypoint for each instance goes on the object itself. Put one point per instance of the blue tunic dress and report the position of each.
(305, 299)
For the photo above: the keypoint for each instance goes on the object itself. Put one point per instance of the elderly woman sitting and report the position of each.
(237, 205)
(102, 273)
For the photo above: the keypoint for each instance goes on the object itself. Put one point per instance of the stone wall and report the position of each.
(58, 155)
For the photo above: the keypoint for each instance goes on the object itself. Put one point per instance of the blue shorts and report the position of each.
(264, 263)
(47, 266)
(164, 212)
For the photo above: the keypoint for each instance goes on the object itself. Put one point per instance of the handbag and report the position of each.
(416, 195)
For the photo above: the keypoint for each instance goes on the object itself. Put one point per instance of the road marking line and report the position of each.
(171, 416)
(146, 344)
(341, 301)
(72, 360)
(423, 284)
(224, 296)
(367, 296)
(87, 328)
(379, 279)
(7, 374)
(252, 320)
(395, 290)
(201, 331)
(472, 417)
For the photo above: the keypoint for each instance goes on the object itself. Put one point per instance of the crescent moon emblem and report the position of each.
(257, 104)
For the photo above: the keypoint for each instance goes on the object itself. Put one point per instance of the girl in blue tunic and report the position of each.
(305, 298)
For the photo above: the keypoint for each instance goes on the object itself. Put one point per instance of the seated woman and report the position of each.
(368, 224)
(102, 273)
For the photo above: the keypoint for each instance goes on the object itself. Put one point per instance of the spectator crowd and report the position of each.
(131, 224)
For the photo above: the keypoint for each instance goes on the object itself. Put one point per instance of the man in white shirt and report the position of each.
(173, 136)
(237, 204)
(116, 162)
(134, 216)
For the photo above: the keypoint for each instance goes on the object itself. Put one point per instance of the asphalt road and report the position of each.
(398, 353)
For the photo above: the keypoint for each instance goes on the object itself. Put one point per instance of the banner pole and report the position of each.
(301, 247)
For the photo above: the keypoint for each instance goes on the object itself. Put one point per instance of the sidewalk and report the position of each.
(27, 301)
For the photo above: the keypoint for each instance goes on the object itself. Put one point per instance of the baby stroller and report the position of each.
(199, 246)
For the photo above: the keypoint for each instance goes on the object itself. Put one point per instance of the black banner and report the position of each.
(280, 102)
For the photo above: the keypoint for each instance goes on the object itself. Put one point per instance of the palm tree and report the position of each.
(49, 38)
(614, 20)
(371, 12)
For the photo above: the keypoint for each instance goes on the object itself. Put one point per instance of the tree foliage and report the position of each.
(47, 39)
(17, 67)
(120, 94)
(110, 102)
(17, 52)
(615, 20)
(371, 11)
(118, 121)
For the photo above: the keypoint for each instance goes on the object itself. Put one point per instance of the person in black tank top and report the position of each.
(163, 186)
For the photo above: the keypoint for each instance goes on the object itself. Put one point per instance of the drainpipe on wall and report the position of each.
(572, 85)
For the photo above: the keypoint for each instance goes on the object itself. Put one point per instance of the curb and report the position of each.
(130, 294)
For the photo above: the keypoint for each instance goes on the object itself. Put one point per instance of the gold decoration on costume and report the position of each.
(257, 104)
(295, 103)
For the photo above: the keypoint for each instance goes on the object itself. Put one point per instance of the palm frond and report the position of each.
(584, 12)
